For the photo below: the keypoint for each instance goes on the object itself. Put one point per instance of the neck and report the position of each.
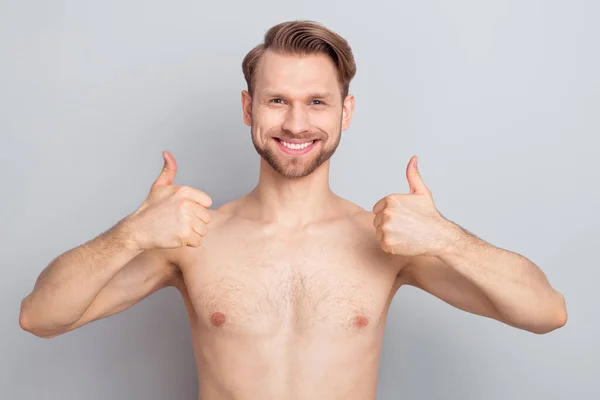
(293, 203)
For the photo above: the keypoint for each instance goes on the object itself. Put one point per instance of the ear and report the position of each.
(347, 111)
(247, 107)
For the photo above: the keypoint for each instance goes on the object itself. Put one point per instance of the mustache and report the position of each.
(297, 137)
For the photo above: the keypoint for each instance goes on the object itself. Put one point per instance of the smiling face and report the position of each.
(297, 100)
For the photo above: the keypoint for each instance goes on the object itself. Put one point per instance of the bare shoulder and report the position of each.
(363, 219)
(217, 216)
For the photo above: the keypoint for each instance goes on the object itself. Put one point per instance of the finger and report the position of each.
(195, 195)
(167, 175)
(378, 220)
(380, 205)
(415, 182)
(379, 234)
(194, 240)
(201, 213)
(200, 227)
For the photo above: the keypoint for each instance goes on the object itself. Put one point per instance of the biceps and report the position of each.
(439, 279)
(149, 272)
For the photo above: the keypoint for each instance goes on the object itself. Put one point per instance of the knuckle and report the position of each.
(188, 233)
(184, 191)
(182, 240)
(183, 230)
(184, 204)
(394, 199)
(386, 227)
(186, 219)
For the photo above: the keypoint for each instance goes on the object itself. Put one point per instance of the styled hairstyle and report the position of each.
(303, 37)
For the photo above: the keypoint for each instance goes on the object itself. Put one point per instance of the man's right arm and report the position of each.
(99, 278)
(122, 265)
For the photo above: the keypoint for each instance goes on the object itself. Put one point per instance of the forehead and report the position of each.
(296, 74)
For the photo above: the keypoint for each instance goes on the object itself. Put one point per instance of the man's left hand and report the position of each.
(410, 224)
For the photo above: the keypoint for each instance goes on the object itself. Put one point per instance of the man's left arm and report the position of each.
(461, 269)
(480, 278)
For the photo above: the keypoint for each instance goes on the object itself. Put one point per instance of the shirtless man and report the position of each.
(287, 288)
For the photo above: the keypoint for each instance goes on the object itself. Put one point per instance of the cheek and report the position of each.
(267, 120)
(329, 122)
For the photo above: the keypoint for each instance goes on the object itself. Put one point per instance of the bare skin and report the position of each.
(288, 314)
(287, 288)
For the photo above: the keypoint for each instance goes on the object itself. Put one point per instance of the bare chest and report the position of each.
(244, 282)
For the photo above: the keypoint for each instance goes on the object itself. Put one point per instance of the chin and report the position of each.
(291, 168)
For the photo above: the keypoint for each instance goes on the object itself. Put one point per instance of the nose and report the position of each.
(296, 120)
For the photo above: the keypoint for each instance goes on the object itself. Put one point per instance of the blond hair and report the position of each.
(303, 37)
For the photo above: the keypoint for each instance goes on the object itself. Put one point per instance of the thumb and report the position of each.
(167, 175)
(414, 178)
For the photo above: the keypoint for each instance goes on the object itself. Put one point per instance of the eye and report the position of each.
(276, 101)
(320, 102)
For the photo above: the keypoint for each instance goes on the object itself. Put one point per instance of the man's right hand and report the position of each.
(171, 216)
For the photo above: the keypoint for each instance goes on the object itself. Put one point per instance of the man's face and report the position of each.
(296, 99)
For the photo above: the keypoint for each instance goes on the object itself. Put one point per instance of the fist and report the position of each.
(410, 224)
(171, 216)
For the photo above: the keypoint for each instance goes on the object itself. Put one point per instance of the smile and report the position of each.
(296, 148)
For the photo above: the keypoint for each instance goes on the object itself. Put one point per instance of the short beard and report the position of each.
(292, 169)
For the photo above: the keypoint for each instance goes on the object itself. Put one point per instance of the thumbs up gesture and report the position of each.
(410, 224)
(171, 216)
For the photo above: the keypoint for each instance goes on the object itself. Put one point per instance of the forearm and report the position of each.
(69, 284)
(518, 288)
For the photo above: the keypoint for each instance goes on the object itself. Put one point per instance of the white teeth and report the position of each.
(297, 146)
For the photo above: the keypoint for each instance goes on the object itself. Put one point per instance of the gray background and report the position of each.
(499, 99)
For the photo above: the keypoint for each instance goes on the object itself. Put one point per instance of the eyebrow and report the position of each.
(319, 95)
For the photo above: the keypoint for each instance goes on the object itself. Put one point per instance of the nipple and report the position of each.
(360, 321)
(217, 319)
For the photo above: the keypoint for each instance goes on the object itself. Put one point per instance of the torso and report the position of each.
(288, 315)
